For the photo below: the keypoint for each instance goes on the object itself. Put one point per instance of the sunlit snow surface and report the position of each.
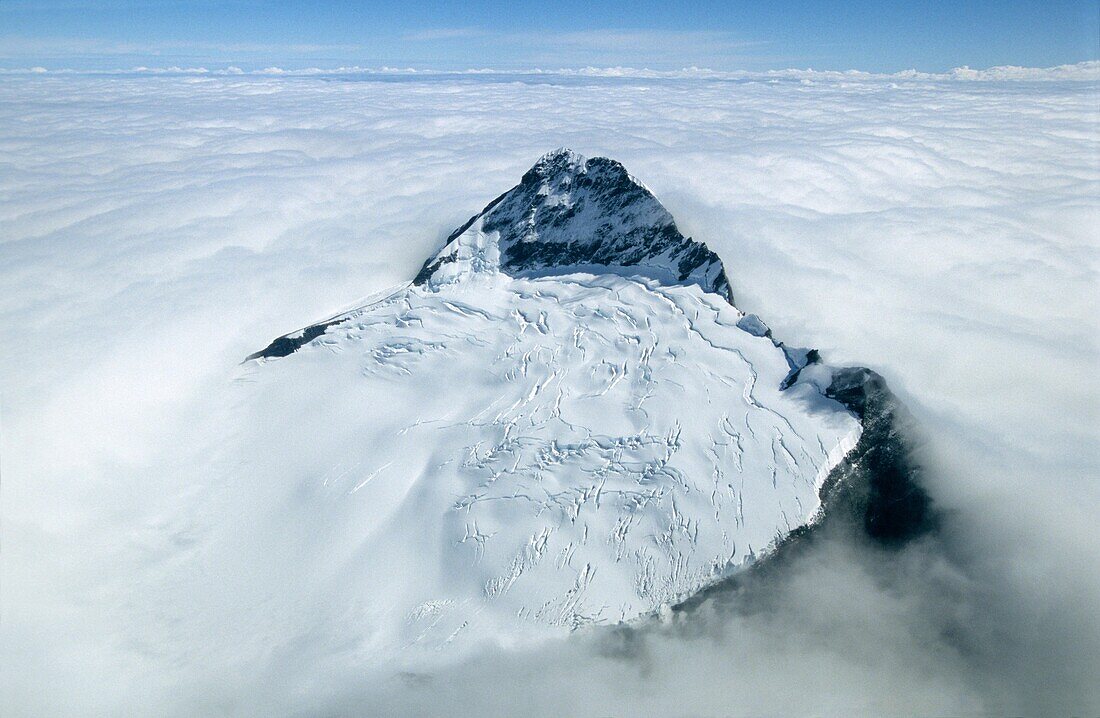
(574, 424)
(552, 452)
(170, 550)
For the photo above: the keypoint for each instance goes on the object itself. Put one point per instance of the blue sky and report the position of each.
(877, 36)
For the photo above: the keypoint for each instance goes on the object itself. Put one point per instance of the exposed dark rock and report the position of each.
(568, 212)
(878, 483)
(290, 343)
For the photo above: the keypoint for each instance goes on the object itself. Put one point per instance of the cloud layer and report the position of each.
(157, 229)
(1080, 72)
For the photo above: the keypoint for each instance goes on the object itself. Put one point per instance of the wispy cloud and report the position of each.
(635, 40)
(444, 33)
(17, 47)
(604, 46)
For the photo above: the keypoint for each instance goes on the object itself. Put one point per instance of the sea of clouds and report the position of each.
(156, 228)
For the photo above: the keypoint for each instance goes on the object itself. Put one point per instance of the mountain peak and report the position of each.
(573, 214)
(554, 162)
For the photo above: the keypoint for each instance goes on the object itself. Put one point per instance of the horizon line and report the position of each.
(1084, 70)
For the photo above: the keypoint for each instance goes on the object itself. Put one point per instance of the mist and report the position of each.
(162, 553)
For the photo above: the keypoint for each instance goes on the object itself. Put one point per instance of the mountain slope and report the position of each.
(562, 421)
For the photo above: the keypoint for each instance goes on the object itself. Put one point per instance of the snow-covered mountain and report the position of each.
(563, 420)
(571, 214)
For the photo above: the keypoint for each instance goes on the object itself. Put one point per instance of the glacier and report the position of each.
(562, 421)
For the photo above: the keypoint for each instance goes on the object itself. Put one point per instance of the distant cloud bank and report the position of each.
(1082, 71)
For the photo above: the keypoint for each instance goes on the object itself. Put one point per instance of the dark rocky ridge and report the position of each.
(569, 212)
(290, 343)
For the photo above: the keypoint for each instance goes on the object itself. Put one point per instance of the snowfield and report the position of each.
(505, 452)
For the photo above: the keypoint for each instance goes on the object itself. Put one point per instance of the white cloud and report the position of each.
(157, 229)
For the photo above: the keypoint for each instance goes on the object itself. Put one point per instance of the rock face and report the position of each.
(564, 420)
(572, 214)
(877, 485)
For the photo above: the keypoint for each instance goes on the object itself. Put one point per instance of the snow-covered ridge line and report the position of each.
(569, 214)
(1082, 71)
